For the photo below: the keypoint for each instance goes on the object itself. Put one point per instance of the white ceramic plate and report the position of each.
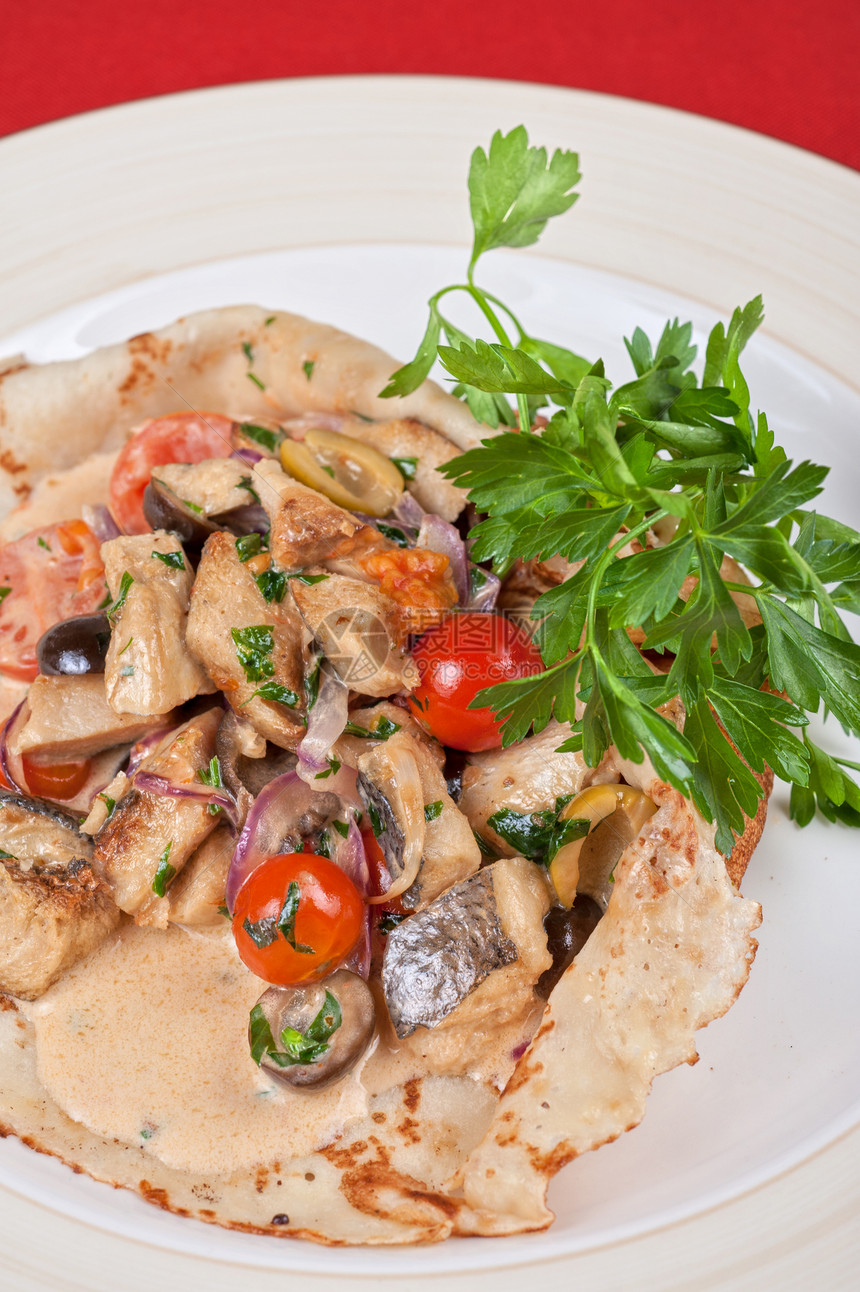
(346, 199)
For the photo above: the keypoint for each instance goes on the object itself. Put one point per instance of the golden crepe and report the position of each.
(133, 1066)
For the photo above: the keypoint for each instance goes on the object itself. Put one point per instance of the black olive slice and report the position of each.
(74, 646)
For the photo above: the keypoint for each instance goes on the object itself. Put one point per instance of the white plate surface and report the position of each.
(333, 198)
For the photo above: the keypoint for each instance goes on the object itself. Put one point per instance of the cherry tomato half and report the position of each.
(380, 878)
(182, 437)
(296, 917)
(458, 659)
(60, 781)
(52, 574)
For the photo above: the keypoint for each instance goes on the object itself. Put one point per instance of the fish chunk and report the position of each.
(69, 717)
(225, 597)
(32, 831)
(149, 668)
(478, 948)
(50, 917)
(359, 629)
(527, 777)
(149, 837)
(197, 896)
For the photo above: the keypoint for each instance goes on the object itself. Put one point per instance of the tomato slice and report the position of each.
(466, 653)
(60, 781)
(296, 917)
(51, 574)
(181, 437)
(380, 879)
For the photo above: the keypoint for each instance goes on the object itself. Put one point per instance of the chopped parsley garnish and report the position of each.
(164, 873)
(328, 470)
(174, 559)
(333, 768)
(310, 579)
(382, 728)
(4, 592)
(312, 682)
(287, 919)
(42, 543)
(392, 533)
(7, 856)
(270, 320)
(192, 506)
(124, 585)
(262, 435)
(534, 833)
(298, 1047)
(323, 848)
(211, 775)
(486, 849)
(272, 584)
(128, 670)
(406, 466)
(247, 351)
(245, 483)
(432, 810)
(222, 910)
(252, 376)
(249, 545)
(254, 646)
(126, 646)
(477, 579)
(341, 827)
(279, 693)
(109, 803)
(308, 368)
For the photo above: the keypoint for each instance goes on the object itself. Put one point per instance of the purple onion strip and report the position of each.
(436, 535)
(326, 722)
(154, 784)
(350, 856)
(101, 522)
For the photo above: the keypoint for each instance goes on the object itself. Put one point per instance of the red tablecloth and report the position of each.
(788, 68)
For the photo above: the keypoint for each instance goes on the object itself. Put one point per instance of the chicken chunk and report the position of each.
(149, 668)
(359, 630)
(197, 895)
(69, 718)
(225, 600)
(149, 837)
(477, 950)
(215, 485)
(451, 852)
(50, 917)
(408, 439)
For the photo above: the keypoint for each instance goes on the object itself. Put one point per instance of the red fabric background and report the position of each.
(788, 68)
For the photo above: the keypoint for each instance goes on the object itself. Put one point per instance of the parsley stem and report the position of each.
(603, 565)
(480, 299)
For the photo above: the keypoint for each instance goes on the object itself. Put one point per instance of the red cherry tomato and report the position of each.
(458, 659)
(296, 917)
(182, 437)
(52, 574)
(59, 781)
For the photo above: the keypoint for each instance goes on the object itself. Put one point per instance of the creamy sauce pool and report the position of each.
(146, 1042)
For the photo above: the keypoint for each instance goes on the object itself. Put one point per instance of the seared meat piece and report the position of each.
(49, 918)
(148, 667)
(149, 837)
(381, 718)
(527, 777)
(225, 597)
(359, 629)
(306, 526)
(406, 438)
(213, 485)
(476, 950)
(69, 718)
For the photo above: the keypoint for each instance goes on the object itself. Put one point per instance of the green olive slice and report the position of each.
(350, 473)
(614, 815)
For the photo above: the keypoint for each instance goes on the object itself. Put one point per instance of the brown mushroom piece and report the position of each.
(318, 1031)
(604, 821)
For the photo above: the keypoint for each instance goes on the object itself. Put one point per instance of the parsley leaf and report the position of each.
(174, 559)
(164, 872)
(254, 646)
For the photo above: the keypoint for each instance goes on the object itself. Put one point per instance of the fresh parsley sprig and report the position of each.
(665, 495)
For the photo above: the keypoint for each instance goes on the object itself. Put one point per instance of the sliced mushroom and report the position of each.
(389, 783)
(307, 1062)
(567, 931)
(221, 493)
(74, 646)
(606, 820)
(163, 509)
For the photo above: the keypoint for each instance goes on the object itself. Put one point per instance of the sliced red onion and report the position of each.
(154, 784)
(101, 522)
(437, 535)
(297, 427)
(349, 854)
(251, 456)
(485, 596)
(326, 721)
(9, 762)
(408, 510)
(145, 746)
(273, 819)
